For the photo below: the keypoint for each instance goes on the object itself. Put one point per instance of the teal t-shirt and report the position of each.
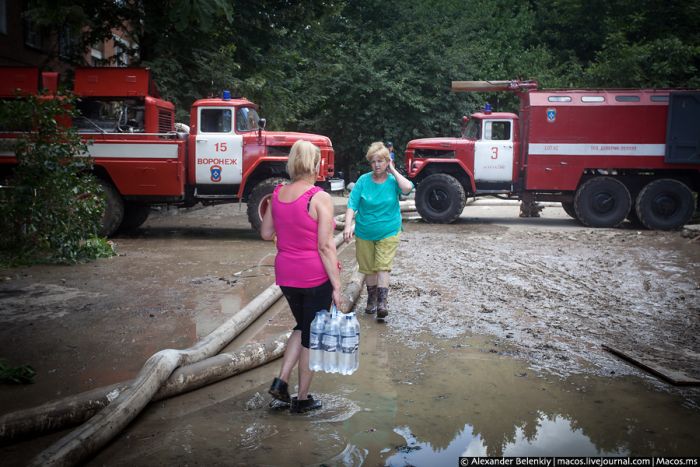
(376, 206)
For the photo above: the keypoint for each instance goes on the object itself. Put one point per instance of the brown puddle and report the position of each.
(412, 406)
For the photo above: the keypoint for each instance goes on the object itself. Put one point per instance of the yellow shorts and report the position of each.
(373, 256)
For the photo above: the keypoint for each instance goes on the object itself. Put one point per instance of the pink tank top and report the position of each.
(298, 262)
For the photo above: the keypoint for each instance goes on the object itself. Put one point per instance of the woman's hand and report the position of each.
(338, 300)
(348, 233)
(349, 230)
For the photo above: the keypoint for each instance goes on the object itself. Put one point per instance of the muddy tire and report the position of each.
(135, 214)
(440, 199)
(568, 208)
(665, 204)
(257, 201)
(602, 202)
(114, 209)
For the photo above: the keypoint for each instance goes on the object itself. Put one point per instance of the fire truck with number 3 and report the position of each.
(142, 157)
(606, 155)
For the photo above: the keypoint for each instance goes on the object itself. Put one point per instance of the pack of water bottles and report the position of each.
(335, 342)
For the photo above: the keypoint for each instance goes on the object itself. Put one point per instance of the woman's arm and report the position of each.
(405, 184)
(267, 229)
(326, 243)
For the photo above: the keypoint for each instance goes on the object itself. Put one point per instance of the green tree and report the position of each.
(624, 43)
(360, 71)
(51, 206)
(381, 70)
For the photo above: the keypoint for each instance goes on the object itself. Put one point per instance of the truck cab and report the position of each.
(232, 156)
(483, 160)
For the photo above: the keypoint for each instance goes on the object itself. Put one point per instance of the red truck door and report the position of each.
(493, 157)
(218, 149)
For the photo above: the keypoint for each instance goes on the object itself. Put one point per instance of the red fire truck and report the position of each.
(606, 155)
(142, 157)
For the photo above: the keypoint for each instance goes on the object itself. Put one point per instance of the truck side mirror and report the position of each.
(261, 126)
(463, 125)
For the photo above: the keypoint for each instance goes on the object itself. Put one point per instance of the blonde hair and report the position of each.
(377, 149)
(304, 159)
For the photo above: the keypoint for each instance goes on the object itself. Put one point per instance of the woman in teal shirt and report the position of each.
(374, 203)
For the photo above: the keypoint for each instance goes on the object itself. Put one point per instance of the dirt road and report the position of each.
(493, 344)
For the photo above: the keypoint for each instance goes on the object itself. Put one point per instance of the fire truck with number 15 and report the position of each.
(142, 157)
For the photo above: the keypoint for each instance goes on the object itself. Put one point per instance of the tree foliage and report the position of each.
(360, 71)
(51, 206)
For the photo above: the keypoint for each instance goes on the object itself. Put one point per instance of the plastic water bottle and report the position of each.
(348, 346)
(356, 352)
(329, 343)
(315, 348)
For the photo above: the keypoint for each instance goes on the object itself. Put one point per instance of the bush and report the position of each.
(51, 205)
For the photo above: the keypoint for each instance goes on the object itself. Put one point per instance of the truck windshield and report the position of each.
(247, 119)
(473, 129)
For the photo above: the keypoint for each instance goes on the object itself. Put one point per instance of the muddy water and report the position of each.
(423, 405)
(493, 346)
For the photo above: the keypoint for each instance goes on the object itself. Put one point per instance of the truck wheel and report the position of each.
(665, 204)
(135, 214)
(602, 202)
(440, 198)
(569, 209)
(114, 209)
(257, 201)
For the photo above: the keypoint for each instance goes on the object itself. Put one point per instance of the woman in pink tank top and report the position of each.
(300, 215)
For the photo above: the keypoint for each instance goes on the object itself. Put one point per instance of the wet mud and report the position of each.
(557, 297)
(493, 345)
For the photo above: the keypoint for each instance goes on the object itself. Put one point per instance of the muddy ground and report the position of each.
(493, 345)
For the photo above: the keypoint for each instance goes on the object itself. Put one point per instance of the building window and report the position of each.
(32, 34)
(122, 48)
(67, 44)
(3, 17)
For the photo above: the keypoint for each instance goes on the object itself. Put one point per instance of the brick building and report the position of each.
(22, 43)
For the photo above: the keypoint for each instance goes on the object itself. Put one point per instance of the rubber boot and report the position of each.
(279, 390)
(304, 406)
(371, 300)
(382, 297)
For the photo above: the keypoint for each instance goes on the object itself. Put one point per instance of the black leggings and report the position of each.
(305, 303)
